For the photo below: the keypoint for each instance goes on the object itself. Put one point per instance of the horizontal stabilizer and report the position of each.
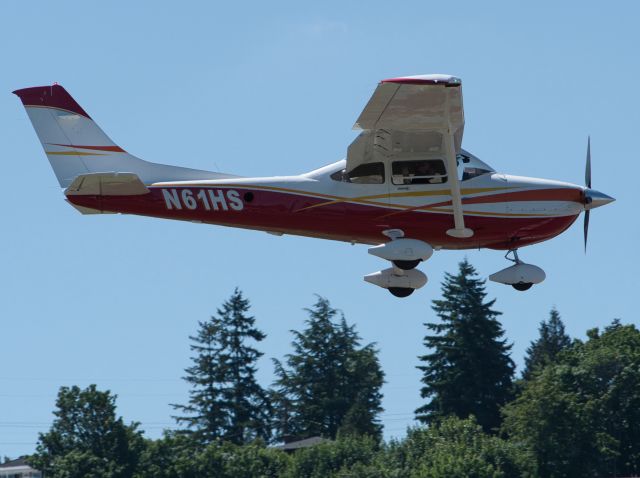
(107, 184)
(89, 210)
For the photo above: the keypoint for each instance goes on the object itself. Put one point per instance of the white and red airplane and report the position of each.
(406, 186)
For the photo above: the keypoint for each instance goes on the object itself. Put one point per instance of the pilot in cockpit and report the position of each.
(428, 173)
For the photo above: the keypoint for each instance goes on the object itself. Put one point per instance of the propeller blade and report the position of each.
(587, 172)
(586, 229)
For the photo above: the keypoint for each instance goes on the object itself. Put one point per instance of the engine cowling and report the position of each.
(396, 278)
(403, 250)
(520, 273)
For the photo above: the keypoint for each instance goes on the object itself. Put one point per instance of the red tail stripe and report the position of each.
(114, 149)
(54, 96)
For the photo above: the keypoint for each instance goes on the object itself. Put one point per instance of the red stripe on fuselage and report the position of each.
(275, 211)
(557, 194)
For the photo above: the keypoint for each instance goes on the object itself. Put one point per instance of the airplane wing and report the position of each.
(414, 114)
(414, 103)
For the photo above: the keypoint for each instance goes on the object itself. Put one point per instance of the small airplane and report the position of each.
(406, 186)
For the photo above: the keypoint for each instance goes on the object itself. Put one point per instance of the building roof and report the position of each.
(22, 461)
(307, 442)
(19, 464)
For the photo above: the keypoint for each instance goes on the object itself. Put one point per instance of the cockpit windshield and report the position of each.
(469, 166)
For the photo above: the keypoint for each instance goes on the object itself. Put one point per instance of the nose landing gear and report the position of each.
(520, 276)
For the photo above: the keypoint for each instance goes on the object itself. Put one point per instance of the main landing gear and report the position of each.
(522, 286)
(401, 291)
(405, 255)
(520, 276)
(407, 265)
(402, 279)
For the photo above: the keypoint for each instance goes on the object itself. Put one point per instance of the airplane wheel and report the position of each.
(406, 265)
(522, 286)
(401, 291)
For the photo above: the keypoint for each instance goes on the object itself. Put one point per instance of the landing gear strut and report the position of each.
(520, 286)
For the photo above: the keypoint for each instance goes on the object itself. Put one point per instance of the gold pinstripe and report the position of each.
(74, 153)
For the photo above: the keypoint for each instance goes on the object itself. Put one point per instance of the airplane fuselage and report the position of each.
(505, 212)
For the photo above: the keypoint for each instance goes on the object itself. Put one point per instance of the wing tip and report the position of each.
(437, 79)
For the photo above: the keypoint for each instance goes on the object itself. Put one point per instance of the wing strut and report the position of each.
(459, 230)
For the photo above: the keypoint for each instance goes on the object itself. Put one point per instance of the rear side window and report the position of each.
(424, 171)
(369, 173)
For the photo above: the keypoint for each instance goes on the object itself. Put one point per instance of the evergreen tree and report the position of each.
(86, 438)
(329, 384)
(225, 400)
(467, 370)
(544, 350)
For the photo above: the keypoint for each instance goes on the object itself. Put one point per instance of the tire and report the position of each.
(401, 291)
(407, 265)
(522, 286)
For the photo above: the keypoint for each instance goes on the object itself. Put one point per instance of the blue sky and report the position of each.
(271, 88)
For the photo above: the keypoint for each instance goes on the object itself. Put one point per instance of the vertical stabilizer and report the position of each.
(76, 145)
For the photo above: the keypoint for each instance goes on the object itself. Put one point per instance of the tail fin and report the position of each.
(76, 145)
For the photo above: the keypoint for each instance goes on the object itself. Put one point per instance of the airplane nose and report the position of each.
(594, 199)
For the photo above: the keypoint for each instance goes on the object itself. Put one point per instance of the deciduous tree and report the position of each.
(581, 415)
(87, 439)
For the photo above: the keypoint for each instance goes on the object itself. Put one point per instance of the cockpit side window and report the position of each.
(368, 173)
(471, 167)
(424, 171)
(470, 173)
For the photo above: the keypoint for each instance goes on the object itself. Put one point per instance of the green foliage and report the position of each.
(577, 413)
(225, 401)
(329, 382)
(543, 351)
(348, 456)
(454, 447)
(86, 439)
(467, 370)
(249, 461)
(457, 447)
(178, 456)
(581, 416)
(172, 456)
